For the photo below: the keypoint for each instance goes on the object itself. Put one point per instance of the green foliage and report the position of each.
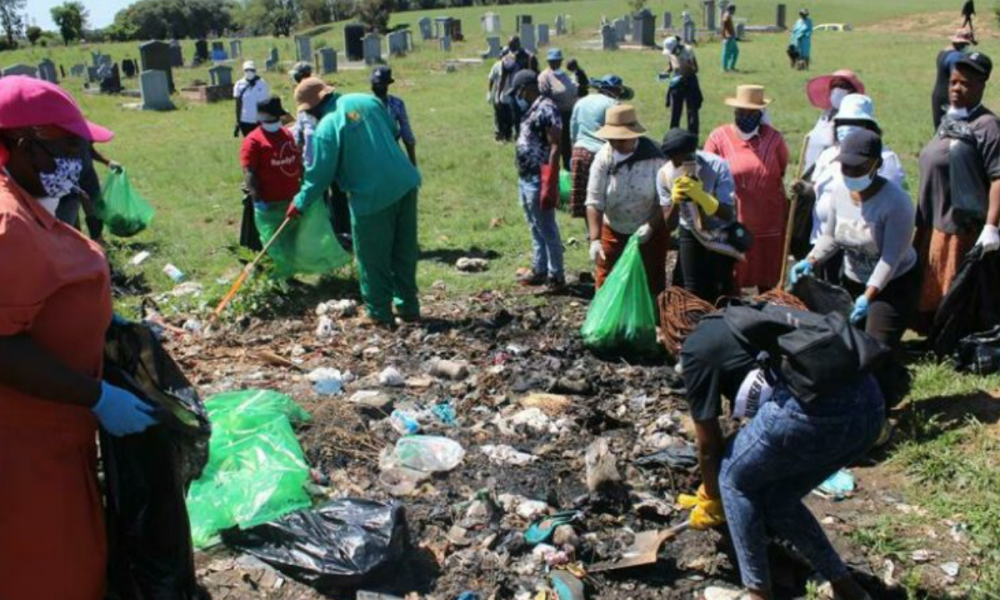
(164, 19)
(12, 20)
(270, 17)
(375, 14)
(71, 18)
(33, 33)
(315, 12)
(636, 5)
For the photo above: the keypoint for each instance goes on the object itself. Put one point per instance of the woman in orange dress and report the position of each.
(757, 156)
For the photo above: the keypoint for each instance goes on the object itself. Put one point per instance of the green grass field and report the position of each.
(186, 163)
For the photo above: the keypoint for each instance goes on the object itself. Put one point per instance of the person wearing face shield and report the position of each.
(249, 91)
(757, 156)
(826, 92)
(55, 311)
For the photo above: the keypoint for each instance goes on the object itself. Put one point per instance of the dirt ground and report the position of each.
(938, 25)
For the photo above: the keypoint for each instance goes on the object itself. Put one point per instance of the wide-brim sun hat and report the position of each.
(963, 36)
(310, 92)
(818, 88)
(620, 123)
(750, 97)
(856, 107)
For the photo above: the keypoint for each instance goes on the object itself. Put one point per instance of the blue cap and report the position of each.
(554, 54)
(614, 83)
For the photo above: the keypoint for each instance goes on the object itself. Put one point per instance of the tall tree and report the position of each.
(12, 20)
(33, 33)
(374, 14)
(71, 18)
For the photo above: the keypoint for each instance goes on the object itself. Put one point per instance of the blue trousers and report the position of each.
(546, 247)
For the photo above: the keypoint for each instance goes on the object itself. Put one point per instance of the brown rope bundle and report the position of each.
(680, 312)
(779, 297)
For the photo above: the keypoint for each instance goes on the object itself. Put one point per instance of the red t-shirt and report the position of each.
(276, 161)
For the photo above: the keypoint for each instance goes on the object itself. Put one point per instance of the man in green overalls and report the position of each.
(355, 147)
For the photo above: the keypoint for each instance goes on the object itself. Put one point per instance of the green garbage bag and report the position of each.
(307, 245)
(256, 471)
(565, 187)
(123, 210)
(621, 319)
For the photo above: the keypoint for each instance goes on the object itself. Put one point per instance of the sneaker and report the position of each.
(532, 278)
(554, 285)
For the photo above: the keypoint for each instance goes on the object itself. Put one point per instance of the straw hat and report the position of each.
(620, 123)
(750, 97)
(310, 92)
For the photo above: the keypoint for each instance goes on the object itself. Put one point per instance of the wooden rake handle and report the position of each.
(792, 206)
(246, 273)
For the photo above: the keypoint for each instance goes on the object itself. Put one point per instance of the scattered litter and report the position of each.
(391, 377)
(602, 469)
(188, 288)
(472, 265)
(679, 456)
(503, 454)
(838, 486)
(533, 419)
(175, 274)
(950, 569)
(192, 325)
(327, 381)
(372, 399)
(426, 453)
(566, 586)
(325, 329)
(337, 309)
(140, 258)
(450, 369)
(551, 404)
(405, 422)
(444, 412)
(721, 593)
(923, 555)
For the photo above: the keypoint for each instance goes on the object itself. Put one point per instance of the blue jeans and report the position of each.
(546, 247)
(786, 451)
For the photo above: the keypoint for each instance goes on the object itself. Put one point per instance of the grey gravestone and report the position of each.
(445, 43)
(543, 34)
(20, 70)
(273, 55)
(105, 61)
(201, 52)
(77, 70)
(47, 71)
(155, 56)
(425, 29)
(521, 20)
(326, 61)
(270, 65)
(561, 25)
(528, 37)
(609, 38)
(372, 48)
(495, 47)
(303, 48)
(708, 14)
(628, 24)
(396, 43)
(741, 30)
(408, 37)
(129, 68)
(644, 29)
(442, 27)
(780, 19)
(155, 89)
(221, 75)
(235, 49)
(491, 23)
(112, 82)
(668, 20)
(690, 30)
(95, 58)
(92, 75)
(621, 29)
(176, 54)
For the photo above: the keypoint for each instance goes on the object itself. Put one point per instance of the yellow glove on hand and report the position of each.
(692, 189)
(706, 512)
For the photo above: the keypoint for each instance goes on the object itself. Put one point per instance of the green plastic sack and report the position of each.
(307, 245)
(621, 319)
(123, 210)
(565, 187)
(256, 471)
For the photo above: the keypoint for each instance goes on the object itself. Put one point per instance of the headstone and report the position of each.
(708, 14)
(112, 82)
(609, 38)
(354, 45)
(491, 23)
(543, 34)
(560, 25)
(445, 43)
(176, 54)
(92, 75)
(621, 29)
(372, 48)
(425, 29)
(155, 89)
(690, 30)
(396, 42)
(668, 20)
(200, 52)
(271, 62)
(495, 47)
(20, 69)
(528, 37)
(219, 55)
(442, 26)
(520, 20)
(455, 30)
(326, 61)
(129, 68)
(221, 75)
(104, 61)
(644, 28)
(408, 37)
(236, 48)
(95, 57)
(303, 48)
(781, 19)
(78, 70)
(47, 71)
(218, 45)
(155, 56)
(741, 30)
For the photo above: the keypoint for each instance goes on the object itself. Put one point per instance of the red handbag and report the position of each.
(548, 198)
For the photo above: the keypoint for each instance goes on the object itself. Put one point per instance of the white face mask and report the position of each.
(958, 113)
(859, 184)
(271, 126)
(837, 96)
(250, 75)
(621, 157)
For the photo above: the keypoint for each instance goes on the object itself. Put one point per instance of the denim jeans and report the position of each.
(786, 451)
(546, 247)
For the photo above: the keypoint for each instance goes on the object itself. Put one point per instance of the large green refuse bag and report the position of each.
(256, 471)
(565, 187)
(122, 209)
(621, 319)
(307, 245)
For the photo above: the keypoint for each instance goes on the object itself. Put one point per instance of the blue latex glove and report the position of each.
(860, 309)
(801, 269)
(121, 412)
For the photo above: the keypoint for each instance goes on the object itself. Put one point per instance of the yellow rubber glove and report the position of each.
(706, 512)
(692, 189)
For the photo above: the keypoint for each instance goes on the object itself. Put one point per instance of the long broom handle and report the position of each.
(793, 205)
(246, 273)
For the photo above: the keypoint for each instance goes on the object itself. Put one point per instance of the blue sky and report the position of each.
(102, 12)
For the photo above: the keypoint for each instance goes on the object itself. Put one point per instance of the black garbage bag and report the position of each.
(147, 475)
(972, 303)
(341, 544)
(823, 297)
(979, 353)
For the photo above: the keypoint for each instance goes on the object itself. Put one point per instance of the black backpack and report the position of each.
(812, 354)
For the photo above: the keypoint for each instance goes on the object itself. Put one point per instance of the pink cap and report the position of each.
(818, 88)
(29, 102)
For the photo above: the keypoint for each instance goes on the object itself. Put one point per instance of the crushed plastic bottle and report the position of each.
(404, 422)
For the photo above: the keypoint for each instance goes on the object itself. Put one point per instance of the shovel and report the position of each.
(644, 550)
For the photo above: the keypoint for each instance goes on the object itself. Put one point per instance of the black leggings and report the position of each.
(892, 309)
(706, 274)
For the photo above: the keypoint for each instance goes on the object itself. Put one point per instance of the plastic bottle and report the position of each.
(404, 422)
(174, 273)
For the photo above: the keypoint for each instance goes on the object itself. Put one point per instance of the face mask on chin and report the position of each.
(64, 179)
(958, 114)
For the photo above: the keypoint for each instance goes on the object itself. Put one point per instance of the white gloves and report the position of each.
(644, 233)
(596, 251)
(989, 239)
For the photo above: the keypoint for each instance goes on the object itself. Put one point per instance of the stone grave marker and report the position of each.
(155, 56)
(326, 61)
(609, 37)
(561, 25)
(95, 58)
(78, 70)
(47, 71)
(668, 20)
(62, 71)
(495, 47)
(235, 48)
(408, 37)
(105, 61)
(112, 82)
(396, 43)
(445, 43)
(690, 30)
(543, 34)
(176, 55)
(621, 29)
(222, 75)
(442, 27)
(491, 23)
(92, 75)
(528, 37)
(372, 48)
(644, 28)
(303, 48)
(781, 17)
(20, 69)
(741, 30)
(155, 89)
(201, 54)
(520, 20)
(425, 29)
(708, 14)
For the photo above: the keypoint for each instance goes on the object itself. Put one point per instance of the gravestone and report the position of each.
(20, 69)
(741, 30)
(491, 23)
(104, 61)
(218, 46)
(408, 37)
(543, 34)
(201, 52)
(442, 27)
(222, 75)
(273, 54)
(155, 89)
(129, 68)
(495, 47)
(621, 29)
(78, 70)
(271, 62)
(528, 37)
(644, 28)
(176, 55)
(92, 75)
(47, 71)
(455, 30)
(372, 48)
(95, 58)
(396, 42)
(326, 61)
(628, 24)
(354, 46)
(609, 37)
(235, 49)
(425, 29)
(445, 43)
(155, 56)
(781, 17)
(303, 48)
(708, 14)
(690, 30)
(520, 20)
(668, 20)
(112, 82)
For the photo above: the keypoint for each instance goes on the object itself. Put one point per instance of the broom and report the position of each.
(245, 274)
